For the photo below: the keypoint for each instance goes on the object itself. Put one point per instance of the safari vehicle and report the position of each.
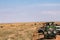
(49, 30)
(58, 30)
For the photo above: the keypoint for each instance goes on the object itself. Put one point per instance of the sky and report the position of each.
(29, 10)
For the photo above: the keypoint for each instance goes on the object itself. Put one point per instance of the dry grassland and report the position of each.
(19, 31)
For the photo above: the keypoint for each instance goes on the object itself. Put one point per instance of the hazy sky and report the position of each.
(29, 10)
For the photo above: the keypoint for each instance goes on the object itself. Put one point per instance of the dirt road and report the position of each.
(58, 37)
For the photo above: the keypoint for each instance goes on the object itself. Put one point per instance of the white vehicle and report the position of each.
(58, 29)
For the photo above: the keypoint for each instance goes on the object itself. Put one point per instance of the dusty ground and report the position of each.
(20, 31)
(58, 37)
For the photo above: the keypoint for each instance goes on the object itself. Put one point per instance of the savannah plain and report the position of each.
(21, 31)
